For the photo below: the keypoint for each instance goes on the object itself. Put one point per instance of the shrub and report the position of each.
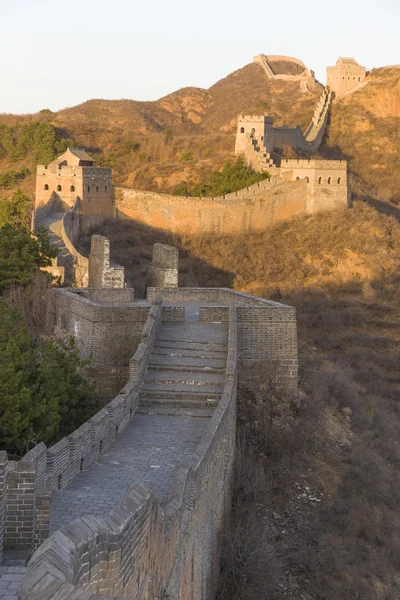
(186, 156)
(234, 176)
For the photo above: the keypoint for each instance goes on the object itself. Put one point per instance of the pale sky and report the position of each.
(55, 54)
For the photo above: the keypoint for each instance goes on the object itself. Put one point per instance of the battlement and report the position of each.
(295, 163)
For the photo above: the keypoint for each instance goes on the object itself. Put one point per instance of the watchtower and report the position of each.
(73, 176)
(345, 77)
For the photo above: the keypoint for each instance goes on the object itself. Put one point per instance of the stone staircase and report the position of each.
(187, 366)
(263, 158)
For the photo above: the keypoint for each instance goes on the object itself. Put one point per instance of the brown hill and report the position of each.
(201, 122)
(183, 136)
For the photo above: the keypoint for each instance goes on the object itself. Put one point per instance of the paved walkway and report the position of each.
(183, 385)
(148, 451)
(12, 571)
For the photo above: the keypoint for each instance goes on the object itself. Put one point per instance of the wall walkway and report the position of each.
(162, 540)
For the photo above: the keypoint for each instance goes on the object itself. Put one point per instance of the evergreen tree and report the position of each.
(15, 211)
(22, 254)
(43, 393)
(17, 360)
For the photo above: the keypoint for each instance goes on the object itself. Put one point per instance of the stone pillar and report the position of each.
(101, 273)
(3, 490)
(163, 273)
(20, 514)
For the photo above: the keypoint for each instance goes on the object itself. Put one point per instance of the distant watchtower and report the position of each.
(73, 177)
(345, 77)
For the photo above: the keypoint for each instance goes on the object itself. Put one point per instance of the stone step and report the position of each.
(185, 345)
(156, 366)
(175, 411)
(167, 378)
(178, 355)
(185, 361)
(176, 393)
(183, 402)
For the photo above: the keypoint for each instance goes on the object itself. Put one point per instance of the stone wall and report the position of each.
(107, 330)
(143, 550)
(70, 231)
(251, 209)
(43, 210)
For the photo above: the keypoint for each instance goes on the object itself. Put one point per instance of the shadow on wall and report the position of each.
(132, 247)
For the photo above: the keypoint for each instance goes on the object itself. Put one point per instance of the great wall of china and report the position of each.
(133, 503)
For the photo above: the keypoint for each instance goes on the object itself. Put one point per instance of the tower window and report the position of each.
(242, 130)
(72, 188)
(329, 180)
(88, 188)
(308, 179)
(97, 188)
(339, 180)
(297, 178)
(46, 187)
(59, 188)
(319, 180)
(105, 188)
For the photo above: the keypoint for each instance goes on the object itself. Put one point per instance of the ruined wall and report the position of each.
(101, 273)
(163, 272)
(252, 209)
(143, 550)
(306, 79)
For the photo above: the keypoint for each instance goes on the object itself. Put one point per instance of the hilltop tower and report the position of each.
(345, 77)
(73, 178)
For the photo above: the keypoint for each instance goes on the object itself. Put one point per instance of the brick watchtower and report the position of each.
(71, 177)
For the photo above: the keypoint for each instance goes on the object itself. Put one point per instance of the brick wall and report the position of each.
(3, 488)
(251, 209)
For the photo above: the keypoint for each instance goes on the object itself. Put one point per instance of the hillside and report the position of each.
(180, 137)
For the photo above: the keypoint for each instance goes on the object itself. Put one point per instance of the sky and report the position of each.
(55, 54)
